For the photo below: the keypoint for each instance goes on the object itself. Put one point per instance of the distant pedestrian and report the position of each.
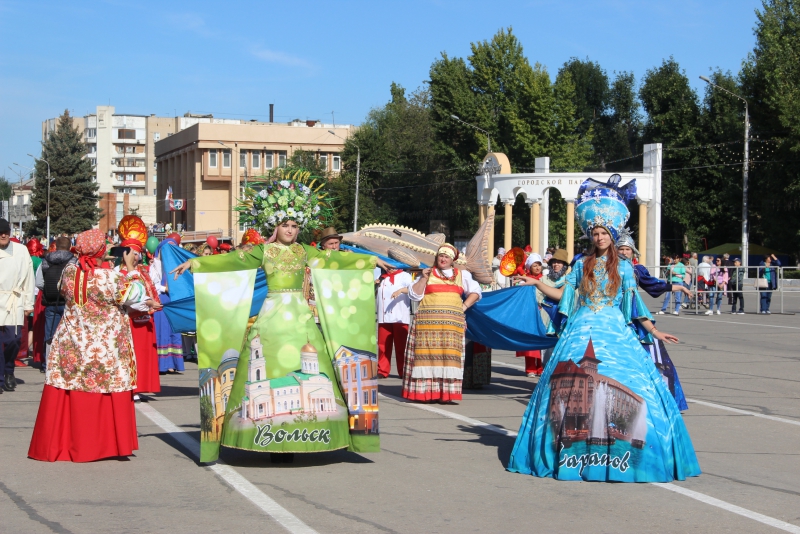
(735, 286)
(16, 301)
(718, 286)
(48, 281)
(675, 273)
(703, 280)
(394, 316)
(767, 281)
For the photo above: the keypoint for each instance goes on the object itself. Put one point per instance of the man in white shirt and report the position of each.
(394, 316)
(16, 301)
(499, 280)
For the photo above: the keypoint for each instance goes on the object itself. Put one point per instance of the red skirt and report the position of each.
(38, 329)
(146, 353)
(75, 426)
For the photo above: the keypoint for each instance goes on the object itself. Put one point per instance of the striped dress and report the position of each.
(434, 363)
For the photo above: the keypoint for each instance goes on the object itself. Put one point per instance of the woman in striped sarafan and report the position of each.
(434, 367)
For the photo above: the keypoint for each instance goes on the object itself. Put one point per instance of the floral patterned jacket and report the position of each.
(92, 349)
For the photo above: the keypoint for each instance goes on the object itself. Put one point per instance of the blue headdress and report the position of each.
(603, 205)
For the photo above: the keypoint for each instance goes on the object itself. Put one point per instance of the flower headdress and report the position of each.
(289, 196)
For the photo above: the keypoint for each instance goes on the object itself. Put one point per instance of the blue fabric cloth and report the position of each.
(180, 311)
(508, 319)
(601, 410)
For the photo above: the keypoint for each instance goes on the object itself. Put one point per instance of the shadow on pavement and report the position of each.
(243, 458)
(502, 443)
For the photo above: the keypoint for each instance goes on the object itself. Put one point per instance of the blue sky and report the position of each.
(313, 58)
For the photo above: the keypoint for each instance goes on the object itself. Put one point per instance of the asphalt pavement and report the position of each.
(441, 468)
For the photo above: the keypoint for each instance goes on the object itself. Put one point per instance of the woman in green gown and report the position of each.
(282, 391)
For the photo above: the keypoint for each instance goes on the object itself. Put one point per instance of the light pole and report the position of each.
(358, 173)
(234, 188)
(745, 168)
(488, 137)
(48, 195)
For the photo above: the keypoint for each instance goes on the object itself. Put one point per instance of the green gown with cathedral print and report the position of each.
(278, 386)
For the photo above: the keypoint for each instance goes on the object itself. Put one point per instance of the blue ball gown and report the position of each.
(601, 410)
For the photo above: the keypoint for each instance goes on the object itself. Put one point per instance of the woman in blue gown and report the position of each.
(655, 288)
(601, 410)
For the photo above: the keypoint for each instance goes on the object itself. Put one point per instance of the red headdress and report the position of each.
(35, 247)
(252, 237)
(91, 246)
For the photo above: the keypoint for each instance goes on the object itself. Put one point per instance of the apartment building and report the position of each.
(207, 164)
(121, 148)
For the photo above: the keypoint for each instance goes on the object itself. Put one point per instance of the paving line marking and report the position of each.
(702, 497)
(744, 412)
(703, 403)
(734, 322)
(227, 473)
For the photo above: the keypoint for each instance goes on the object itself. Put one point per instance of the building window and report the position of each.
(224, 379)
(155, 165)
(260, 409)
(337, 163)
(226, 159)
(363, 371)
(126, 134)
(155, 192)
(242, 159)
(156, 136)
(93, 161)
(346, 374)
(91, 132)
(366, 398)
(282, 159)
(258, 375)
(256, 159)
(374, 397)
(323, 161)
(92, 149)
(212, 158)
(120, 210)
(268, 160)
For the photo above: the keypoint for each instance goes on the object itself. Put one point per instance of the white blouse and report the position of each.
(467, 283)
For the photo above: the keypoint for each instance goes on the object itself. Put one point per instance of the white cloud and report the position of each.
(281, 58)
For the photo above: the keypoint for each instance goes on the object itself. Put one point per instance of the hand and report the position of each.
(182, 268)
(663, 336)
(464, 308)
(383, 265)
(153, 305)
(525, 280)
(129, 258)
(426, 273)
(28, 312)
(686, 292)
(397, 294)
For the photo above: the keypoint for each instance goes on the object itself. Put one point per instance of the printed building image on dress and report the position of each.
(588, 406)
(305, 391)
(358, 373)
(215, 390)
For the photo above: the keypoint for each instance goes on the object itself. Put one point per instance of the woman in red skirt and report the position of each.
(143, 329)
(533, 358)
(87, 412)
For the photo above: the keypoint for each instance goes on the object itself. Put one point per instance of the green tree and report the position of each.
(673, 116)
(623, 133)
(771, 83)
(206, 415)
(5, 193)
(73, 190)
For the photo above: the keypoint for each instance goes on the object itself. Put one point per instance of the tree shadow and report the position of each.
(260, 460)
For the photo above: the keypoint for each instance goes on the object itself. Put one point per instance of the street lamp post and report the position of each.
(48, 195)
(488, 137)
(234, 185)
(745, 169)
(358, 173)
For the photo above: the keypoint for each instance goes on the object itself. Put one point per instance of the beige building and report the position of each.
(207, 164)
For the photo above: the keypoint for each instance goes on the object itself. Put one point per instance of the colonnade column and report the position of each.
(492, 251)
(642, 232)
(535, 216)
(509, 213)
(570, 227)
(481, 214)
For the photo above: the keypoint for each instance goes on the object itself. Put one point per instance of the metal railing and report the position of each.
(701, 295)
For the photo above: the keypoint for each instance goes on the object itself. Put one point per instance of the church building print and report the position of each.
(358, 374)
(588, 406)
(305, 391)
